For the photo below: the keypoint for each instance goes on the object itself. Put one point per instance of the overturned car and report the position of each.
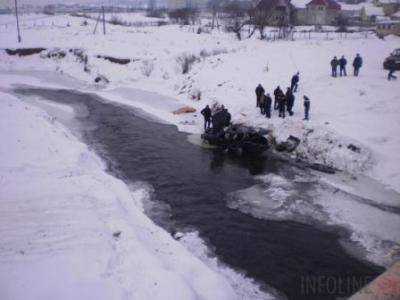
(234, 138)
(238, 140)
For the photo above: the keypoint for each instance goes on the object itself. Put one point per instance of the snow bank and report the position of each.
(361, 111)
(71, 231)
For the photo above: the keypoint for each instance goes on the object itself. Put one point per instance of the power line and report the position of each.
(104, 21)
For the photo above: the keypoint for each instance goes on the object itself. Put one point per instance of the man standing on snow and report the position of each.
(289, 101)
(281, 104)
(334, 65)
(342, 65)
(206, 112)
(262, 104)
(307, 105)
(267, 106)
(277, 93)
(259, 92)
(392, 69)
(295, 82)
(357, 63)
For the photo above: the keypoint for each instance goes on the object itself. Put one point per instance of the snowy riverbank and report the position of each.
(76, 232)
(70, 230)
(361, 111)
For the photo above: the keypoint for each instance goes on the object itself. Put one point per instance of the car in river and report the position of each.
(394, 57)
(238, 139)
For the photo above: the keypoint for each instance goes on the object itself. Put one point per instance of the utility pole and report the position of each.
(104, 21)
(97, 22)
(16, 15)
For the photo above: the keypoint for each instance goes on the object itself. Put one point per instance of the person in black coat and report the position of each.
(334, 65)
(282, 104)
(277, 93)
(392, 69)
(357, 64)
(259, 92)
(342, 65)
(289, 101)
(267, 106)
(262, 104)
(206, 112)
(307, 106)
(295, 82)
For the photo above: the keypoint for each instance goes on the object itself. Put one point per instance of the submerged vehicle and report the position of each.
(238, 139)
(393, 58)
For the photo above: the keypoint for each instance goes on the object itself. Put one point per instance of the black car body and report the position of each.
(392, 59)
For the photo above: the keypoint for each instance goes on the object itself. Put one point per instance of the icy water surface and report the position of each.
(297, 259)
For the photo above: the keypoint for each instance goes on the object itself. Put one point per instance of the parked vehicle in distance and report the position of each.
(394, 56)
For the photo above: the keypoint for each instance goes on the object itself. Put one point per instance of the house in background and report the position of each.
(384, 28)
(276, 12)
(318, 12)
(389, 6)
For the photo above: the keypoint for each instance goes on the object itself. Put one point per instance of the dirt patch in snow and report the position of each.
(121, 61)
(24, 51)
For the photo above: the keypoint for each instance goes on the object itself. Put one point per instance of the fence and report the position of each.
(296, 35)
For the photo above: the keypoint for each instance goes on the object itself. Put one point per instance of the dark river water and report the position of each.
(298, 260)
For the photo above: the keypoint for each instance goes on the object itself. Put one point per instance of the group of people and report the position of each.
(218, 116)
(357, 64)
(282, 101)
(342, 62)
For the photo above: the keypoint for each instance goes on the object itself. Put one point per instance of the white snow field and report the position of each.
(71, 231)
(75, 234)
(363, 111)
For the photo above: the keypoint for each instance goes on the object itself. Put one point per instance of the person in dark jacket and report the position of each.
(295, 82)
(262, 104)
(357, 64)
(267, 106)
(282, 104)
(289, 101)
(277, 93)
(307, 106)
(334, 65)
(342, 66)
(259, 92)
(220, 119)
(392, 69)
(206, 112)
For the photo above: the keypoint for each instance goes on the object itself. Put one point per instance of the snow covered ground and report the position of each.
(72, 231)
(344, 110)
(363, 111)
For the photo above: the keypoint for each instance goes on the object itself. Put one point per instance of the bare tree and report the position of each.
(237, 17)
(260, 18)
(270, 13)
(151, 5)
(184, 16)
(214, 6)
